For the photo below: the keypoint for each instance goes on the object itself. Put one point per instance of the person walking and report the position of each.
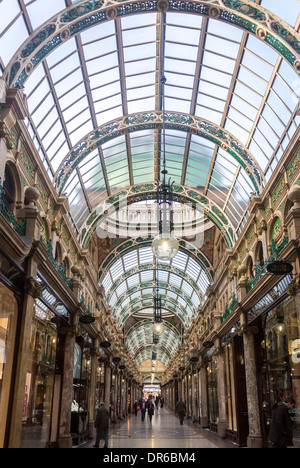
(143, 410)
(181, 410)
(281, 430)
(150, 411)
(135, 407)
(102, 425)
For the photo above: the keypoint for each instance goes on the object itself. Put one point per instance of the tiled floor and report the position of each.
(164, 431)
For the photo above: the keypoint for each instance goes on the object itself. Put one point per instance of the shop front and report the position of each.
(81, 390)
(212, 383)
(278, 355)
(8, 327)
(40, 370)
(11, 300)
(44, 358)
(235, 388)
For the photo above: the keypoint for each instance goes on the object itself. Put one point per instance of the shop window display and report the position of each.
(81, 388)
(230, 390)
(8, 318)
(40, 369)
(100, 383)
(213, 394)
(282, 348)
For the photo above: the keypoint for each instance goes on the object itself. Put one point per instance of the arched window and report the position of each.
(9, 189)
(250, 265)
(260, 254)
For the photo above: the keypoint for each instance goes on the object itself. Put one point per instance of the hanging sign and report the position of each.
(280, 268)
(86, 319)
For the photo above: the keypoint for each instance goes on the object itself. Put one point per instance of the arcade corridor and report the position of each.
(149, 221)
(163, 432)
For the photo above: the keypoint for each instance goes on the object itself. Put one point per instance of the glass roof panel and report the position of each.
(122, 80)
(288, 11)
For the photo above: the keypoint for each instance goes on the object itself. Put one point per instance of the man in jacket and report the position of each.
(102, 425)
(180, 410)
(281, 431)
(143, 409)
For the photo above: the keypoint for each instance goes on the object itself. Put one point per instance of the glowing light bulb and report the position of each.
(158, 328)
(165, 247)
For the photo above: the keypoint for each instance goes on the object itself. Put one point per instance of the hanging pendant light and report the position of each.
(158, 326)
(164, 246)
(280, 328)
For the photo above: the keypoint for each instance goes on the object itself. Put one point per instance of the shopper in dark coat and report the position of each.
(150, 411)
(281, 431)
(102, 425)
(143, 410)
(181, 410)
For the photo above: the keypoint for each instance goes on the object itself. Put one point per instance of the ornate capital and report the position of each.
(246, 329)
(6, 136)
(95, 352)
(262, 226)
(294, 286)
(71, 331)
(33, 288)
(219, 351)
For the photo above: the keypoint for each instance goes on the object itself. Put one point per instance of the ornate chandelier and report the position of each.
(164, 246)
(158, 326)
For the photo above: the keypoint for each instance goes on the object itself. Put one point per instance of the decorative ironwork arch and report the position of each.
(149, 120)
(148, 191)
(153, 285)
(161, 267)
(171, 336)
(168, 304)
(251, 17)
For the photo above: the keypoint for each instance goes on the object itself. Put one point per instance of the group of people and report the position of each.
(281, 429)
(147, 406)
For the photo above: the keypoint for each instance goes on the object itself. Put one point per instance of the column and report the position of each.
(3, 153)
(92, 400)
(199, 393)
(13, 108)
(120, 395)
(194, 406)
(188, 395)
(203, 396)
(115, 395)
(107, 383)
(70, 333)
(222, 424)
(255, 437)
(32, 291)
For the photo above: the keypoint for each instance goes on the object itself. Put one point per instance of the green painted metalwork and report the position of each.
(260, 271)
(85, 14)
(61, 269)
(139, 192)
(229, 309)
(198, 256)
(19, 226)
(149, 120)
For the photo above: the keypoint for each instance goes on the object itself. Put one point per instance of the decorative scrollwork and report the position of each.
(33, 288)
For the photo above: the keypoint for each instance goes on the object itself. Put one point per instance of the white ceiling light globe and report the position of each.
(165, 247)
(280, 329)
(158, 328)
